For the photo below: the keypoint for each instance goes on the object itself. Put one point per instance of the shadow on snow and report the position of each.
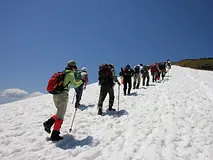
(132, 94)
(116, 113)
(83, 107)
(69, 142)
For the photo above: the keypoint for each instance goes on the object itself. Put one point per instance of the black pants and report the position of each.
(103, 93)
(137, 81)
(79, 92)
(154, 75)
(163, 73)
(144, 79)
(129, 82)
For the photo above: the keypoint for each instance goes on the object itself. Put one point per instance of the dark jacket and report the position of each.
(145, 71)
(127, 73)
(107, 78)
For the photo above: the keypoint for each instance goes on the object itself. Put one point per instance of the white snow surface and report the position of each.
(171, 120)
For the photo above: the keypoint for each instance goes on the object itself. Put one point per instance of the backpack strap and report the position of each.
(65, 73)
(66, 85)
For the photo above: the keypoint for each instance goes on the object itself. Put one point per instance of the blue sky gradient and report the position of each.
(38, 38)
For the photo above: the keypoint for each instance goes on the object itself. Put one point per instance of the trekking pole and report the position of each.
(73, 120)
(118, 96)
(73, 97)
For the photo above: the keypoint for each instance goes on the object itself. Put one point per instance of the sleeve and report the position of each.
(114, 75)
(73, 82)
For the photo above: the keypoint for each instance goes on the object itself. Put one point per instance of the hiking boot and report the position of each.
(124, 92)
(111, 109)
(128, 91)
(137, 87)
(100, 111)
(55, 136)
(48, 124)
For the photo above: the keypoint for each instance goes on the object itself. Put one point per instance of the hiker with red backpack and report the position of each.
(107, 78)
(127, 74)
(80, 75)
(61, 99)
(158, 72)
(154, 72)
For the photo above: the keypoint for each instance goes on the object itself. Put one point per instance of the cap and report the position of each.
(84, 69)
(71, 63)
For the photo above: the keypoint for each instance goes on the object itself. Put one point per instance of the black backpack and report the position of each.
(105, 75)
(137, 70)
(162, 66)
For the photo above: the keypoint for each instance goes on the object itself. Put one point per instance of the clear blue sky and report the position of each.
(38, 38)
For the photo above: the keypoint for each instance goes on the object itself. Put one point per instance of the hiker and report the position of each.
(107, 78)
(80, 75)
(162, 67)
(141, 66)
(154, 72)
(168, 64)
(127, 74)
(158, 72)
(84, 75)
(145, 75)
(136, 77)
(61, 100)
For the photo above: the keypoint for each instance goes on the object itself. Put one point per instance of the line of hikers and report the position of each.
(107, 79)
(142, 71)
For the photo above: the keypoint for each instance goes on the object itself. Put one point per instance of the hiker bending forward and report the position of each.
(61, 101)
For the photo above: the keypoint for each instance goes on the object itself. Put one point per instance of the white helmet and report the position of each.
(84, 69)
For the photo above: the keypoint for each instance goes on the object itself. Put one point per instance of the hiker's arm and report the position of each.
(114, 76)
(72, 80)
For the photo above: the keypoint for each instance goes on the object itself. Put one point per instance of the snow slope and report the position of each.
(172, 120)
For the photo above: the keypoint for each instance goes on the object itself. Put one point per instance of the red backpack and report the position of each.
(105, 75)
(153, 68)
(55, 83)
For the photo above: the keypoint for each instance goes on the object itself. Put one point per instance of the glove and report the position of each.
(84, 80)
(119, 83)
